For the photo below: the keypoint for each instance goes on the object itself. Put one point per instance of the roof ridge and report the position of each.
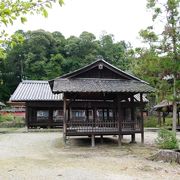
(35, 81)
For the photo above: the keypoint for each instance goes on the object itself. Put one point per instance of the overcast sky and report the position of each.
(123, 18)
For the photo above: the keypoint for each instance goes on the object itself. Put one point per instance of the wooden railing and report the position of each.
(85, 126)
(101, 126)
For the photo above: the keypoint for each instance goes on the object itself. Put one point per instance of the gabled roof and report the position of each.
(76, 82)
(105, 64)
(30, 90)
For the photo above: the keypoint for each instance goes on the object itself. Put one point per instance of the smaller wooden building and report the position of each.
(164, 108)
(2, 105)
(43, 109)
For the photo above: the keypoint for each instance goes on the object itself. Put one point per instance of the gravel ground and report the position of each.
(42, 155)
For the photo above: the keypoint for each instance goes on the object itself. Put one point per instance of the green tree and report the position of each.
(115, 53)
(10, 11)
(165, 45)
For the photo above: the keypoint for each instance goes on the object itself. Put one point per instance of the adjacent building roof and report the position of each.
(100, 85)
(30, 90)
(2, 104)
(163, 104)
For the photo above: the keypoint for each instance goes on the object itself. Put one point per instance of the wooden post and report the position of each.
(101, 139)
(92, 140)
(133, 138)
(133, 119)
(164, 119)
(50, 118)
(119, 119)
(27, 117)
(159, 118)
(64, 120)
(95, 116)
(142, 118)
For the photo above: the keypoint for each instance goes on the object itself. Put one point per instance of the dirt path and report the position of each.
(42, 156)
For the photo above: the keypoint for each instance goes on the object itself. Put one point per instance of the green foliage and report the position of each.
(161, 58)
(9, 120)
(41, 55)
(167, 139)
(12, 10)
(151, 121)
(4, 118)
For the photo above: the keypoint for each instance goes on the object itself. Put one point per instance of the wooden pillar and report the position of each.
(92, 140)
(70, 114)
(101, 139)
(133, 119)
(133, 138)
(95, 116)
(119, 119)
(27, 116)
(65, 118)
(164, 119)
(159, 118)
(50, 118)
(142, 118)
(87, 115)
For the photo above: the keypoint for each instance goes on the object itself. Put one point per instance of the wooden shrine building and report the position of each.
(99, 99)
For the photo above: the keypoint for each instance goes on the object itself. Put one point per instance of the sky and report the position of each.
(122, 18)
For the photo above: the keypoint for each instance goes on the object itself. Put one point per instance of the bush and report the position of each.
(11, 121)
(8, 117)
(167, 139)
(151, 121)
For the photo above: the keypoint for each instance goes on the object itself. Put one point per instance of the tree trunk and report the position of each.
(174, 116)
(174, 107)
(166, 156)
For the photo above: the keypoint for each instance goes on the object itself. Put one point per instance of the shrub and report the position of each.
(151, 121)
(11, 121)
(167, 139)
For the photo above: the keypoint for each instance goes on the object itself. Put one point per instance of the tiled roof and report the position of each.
(100, 85)
(29, 90)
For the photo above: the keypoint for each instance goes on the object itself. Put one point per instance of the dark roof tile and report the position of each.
(100, 85)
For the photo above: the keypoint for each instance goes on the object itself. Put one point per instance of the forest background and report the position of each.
(42, 55)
